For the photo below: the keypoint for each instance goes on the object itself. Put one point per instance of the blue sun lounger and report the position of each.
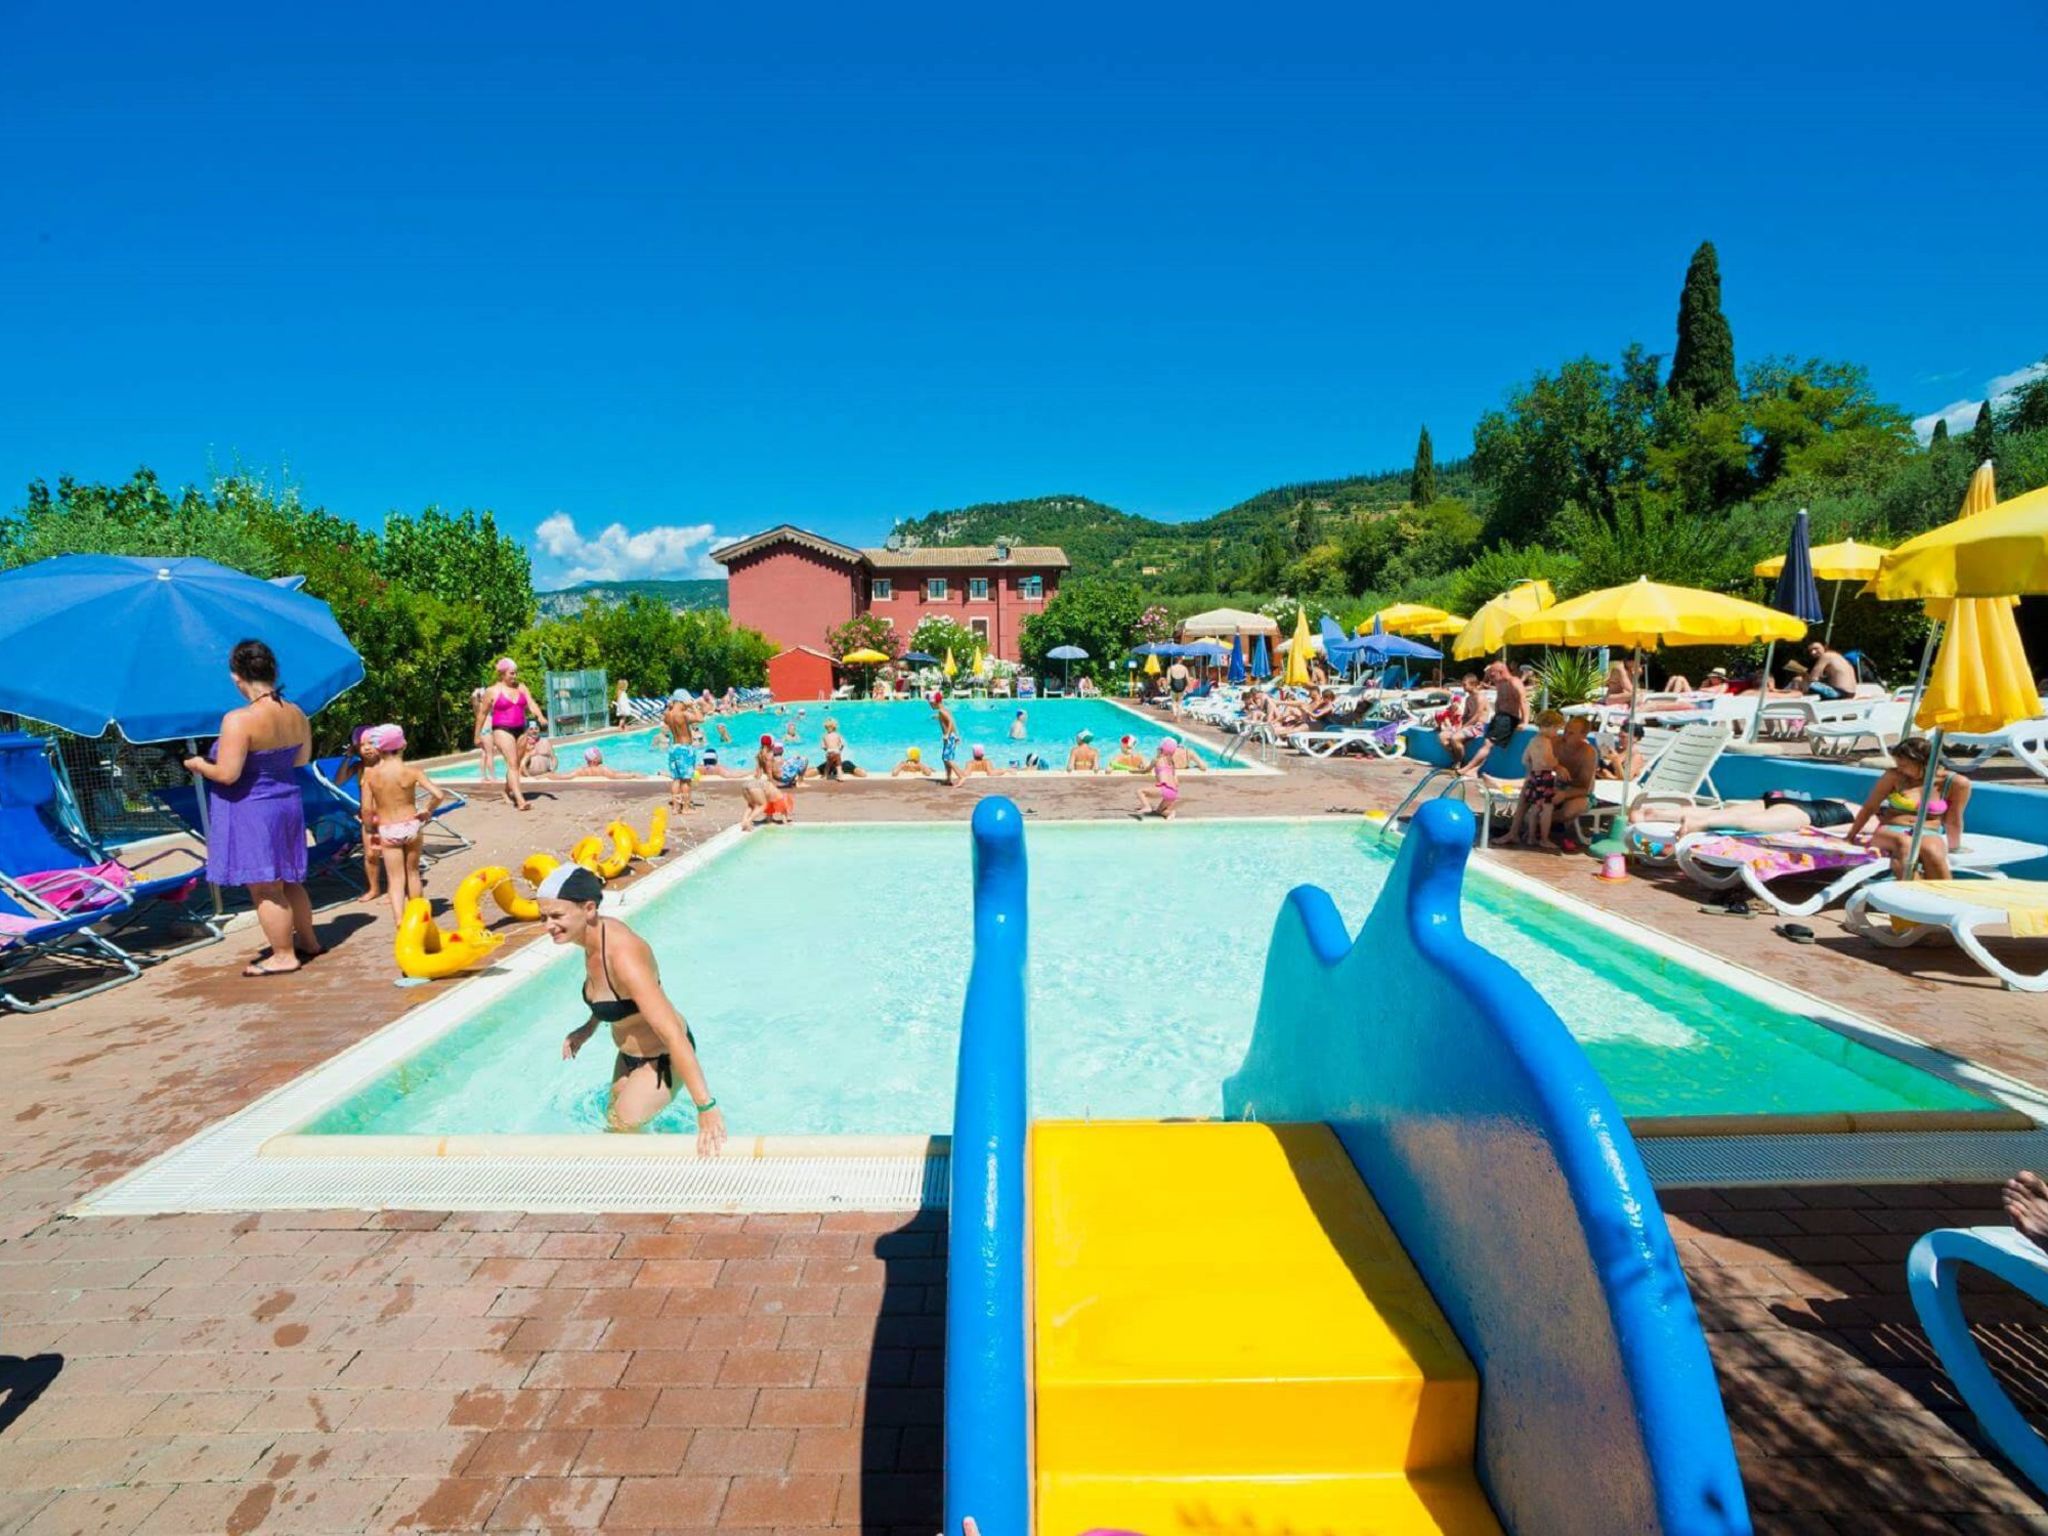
(37, 839)
(325, 774)
(30, 932)
(336, 833)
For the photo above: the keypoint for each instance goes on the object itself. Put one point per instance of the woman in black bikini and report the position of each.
(622, 988)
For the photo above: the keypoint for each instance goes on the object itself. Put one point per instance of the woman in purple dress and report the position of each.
(256, 821)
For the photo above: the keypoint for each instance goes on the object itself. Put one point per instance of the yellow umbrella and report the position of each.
(1407, 619)
(1645, 614)
(1980, 680)
(980, 661)
(1997, 553)
(1486, 631)
(1296, 675)
(1970, 573)
(1151, 663)
(1449, 624)
(1846, 561)
(866, 656)
(951, 667)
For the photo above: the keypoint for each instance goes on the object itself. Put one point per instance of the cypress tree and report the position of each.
(1422, 479)
(1940, 437)
(1980, 436)
(1703, 367)
(1306, 526)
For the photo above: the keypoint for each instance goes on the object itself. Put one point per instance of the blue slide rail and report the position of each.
(1502, 1163)
(988, 1410)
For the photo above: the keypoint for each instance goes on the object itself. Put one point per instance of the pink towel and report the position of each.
(1787, 853)
(69, 890)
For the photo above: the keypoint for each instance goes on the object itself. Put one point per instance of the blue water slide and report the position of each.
(1503, 1165)
(987, 1455)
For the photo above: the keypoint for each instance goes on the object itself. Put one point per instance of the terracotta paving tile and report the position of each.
(207, 1459)
(396, 1409)
(633, 1452)
(110, 1510)
(666, 1503)
(722, 1452)
(553, 1504)
(526, 1453)
(492, 1408)
(579, 1368)
(794, 1499)
(603, 1408)
(768, 1368)
(679, 1368)
(441, 1504)
(705, 1407)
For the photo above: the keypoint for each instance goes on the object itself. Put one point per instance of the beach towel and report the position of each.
(2024, 902)
(72, 890)
(1786, 853)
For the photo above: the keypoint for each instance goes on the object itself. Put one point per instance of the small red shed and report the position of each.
(800, 673)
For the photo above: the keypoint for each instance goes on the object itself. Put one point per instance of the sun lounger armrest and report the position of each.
(1931, 1281)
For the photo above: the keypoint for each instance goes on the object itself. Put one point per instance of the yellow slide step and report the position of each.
(1227, 1335)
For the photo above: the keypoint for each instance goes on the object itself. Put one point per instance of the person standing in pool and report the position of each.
(949, 741)
(622, 988)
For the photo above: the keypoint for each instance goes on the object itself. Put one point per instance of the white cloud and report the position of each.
(1961, 415)
(613, 554)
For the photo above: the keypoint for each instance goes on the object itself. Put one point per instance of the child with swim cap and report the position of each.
(392, 787)
(1166, 779)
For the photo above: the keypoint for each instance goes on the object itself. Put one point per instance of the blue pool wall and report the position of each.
(1505, 1169)
(987, 1446)
(1502, 762)
(1995, 809)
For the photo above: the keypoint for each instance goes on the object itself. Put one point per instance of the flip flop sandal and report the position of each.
(1728, 908)
(1798, 933)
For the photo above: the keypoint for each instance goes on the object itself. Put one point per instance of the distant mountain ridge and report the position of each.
(697, 592)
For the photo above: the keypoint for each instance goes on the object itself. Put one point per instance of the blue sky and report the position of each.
(643, 278)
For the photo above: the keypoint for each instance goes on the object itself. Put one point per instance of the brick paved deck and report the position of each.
(397, 1371)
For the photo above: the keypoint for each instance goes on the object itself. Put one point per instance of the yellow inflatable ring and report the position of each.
(506, 893)
(589, 852)
(650, 846)
(591, 855)
(424, 951)
(625, 846)
(469, 898)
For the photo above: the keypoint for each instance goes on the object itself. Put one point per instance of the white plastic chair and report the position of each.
(1680, 774)
(1979, 855)
(1924, 913)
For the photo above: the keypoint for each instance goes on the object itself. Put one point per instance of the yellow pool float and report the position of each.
(589, 852)
(506, 892)
(650, 846)
(425, 951)
(469, 898)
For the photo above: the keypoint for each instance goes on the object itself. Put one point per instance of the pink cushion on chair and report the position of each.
(75, 890)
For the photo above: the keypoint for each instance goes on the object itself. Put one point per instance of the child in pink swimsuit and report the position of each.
(1166, 780)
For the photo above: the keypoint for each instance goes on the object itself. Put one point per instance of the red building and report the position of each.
(793, 586)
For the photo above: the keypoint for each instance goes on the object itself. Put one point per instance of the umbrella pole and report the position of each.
(1828, 636)
(1926, 794)
(1628, 744)
(1763, 692)
(205, 821)
(1920, 680)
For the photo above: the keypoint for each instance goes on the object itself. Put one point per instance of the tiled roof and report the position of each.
(786, 533)
(1039, 555)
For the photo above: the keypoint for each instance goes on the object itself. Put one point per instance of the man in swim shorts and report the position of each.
(1510, 708)
(949, 741)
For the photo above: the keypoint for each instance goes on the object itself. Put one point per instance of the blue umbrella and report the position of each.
(921, 658)
(1262, 661)
(1069, 654)
(141, 643)
(1237, 661)
(1796, 594)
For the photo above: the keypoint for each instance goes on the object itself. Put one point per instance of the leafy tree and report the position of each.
(713, 652)
(461, 559)
(936, 636)
(1821, 420)
(1982, 444)
(1271, 560)
(1422, 478)
(1307, 526)
(1581, 436)
(1100, 615)
(864, 631)
(1489, 574)
(2027, 410)
(1703, 366)
(1939, 437)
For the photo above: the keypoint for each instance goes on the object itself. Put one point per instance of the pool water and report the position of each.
(878, 734)
(823, 970)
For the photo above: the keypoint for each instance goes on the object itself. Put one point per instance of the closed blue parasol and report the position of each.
(1237, 673)
(1262, 659)
(141, 643)
(1796, 594)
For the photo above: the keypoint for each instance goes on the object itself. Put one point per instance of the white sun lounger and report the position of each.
(1931, 1281)
(1381, 741)
(1921, 913)
(1979, 855)
(2027, 741)
(1681, 774)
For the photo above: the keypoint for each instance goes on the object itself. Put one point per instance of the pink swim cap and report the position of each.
(593, 756)
(979, 752)
(506, 664)
(385, 738)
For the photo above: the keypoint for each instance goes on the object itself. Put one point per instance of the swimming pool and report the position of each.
(879, 733)
(823, 968)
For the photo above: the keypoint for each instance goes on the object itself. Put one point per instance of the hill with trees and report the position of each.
(678, 596)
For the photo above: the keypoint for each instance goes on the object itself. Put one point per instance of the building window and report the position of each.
(977, 589)
(935, 589)
(980, 629)
(881, 589)
(1031, 586)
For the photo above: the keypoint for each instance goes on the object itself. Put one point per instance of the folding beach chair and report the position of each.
(327, 791)
(45, 856)
(31, 931)
(336, 834)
